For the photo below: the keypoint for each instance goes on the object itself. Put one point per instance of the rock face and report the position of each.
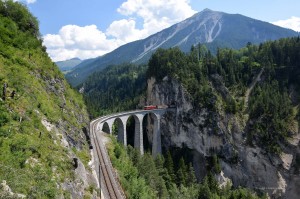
(83, 180)
(207, 133)
(72, 138)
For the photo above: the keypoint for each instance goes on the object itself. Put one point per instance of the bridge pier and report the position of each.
(138, 133)
(122, 135)
(156, 146)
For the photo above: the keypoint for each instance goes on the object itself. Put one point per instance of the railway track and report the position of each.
(105, 171)
(112, 187)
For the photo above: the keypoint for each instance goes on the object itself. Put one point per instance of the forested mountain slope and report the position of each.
(257, 144)
(237, 116)
(43, 147)
(212, 28)
(116, 88)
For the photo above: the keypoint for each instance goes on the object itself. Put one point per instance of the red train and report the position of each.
(151, 107)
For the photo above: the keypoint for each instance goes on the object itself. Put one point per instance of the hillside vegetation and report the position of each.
(162, 177)
(41, 117)
(116, 88)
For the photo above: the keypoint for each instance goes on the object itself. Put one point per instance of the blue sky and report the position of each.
(90, 28)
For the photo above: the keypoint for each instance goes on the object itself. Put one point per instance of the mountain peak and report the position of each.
(212, 28)
(206, 13)
(76, 58)
(207, 10)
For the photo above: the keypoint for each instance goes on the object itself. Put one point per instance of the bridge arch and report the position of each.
(151, 126)
(106, 128)
(130, 129)
(120, 122)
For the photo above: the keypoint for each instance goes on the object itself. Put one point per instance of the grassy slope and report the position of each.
(32, 160)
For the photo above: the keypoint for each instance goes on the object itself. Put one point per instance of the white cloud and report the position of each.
(125, 31)
(157, 14)
(27, 1)
(75, 41)
(291, 23)
(87, 42)
(30, 1)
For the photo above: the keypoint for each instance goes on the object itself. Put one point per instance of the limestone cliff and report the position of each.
(208, 132)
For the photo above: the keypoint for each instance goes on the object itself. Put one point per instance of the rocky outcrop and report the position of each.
(74, 139)
(70, 133)
(208, 132)
(83, 177)
(6, 192)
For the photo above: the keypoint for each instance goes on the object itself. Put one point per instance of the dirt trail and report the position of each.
(249, 90)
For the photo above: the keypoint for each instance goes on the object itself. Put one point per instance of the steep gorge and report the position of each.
(207, 133)
(241, 107)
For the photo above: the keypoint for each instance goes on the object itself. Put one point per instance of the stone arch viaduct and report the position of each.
(138, 115)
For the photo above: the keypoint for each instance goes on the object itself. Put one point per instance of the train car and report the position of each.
(150, 107)
(161, 106)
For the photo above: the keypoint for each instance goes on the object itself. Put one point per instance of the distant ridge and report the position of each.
(68, 65)
(213, 28)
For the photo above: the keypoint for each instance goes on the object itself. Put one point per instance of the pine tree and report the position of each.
(191, 178)
(170, 166)
(204, 191)
(182, 173)
(159, 163)
(212, 183)
(161, 188)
